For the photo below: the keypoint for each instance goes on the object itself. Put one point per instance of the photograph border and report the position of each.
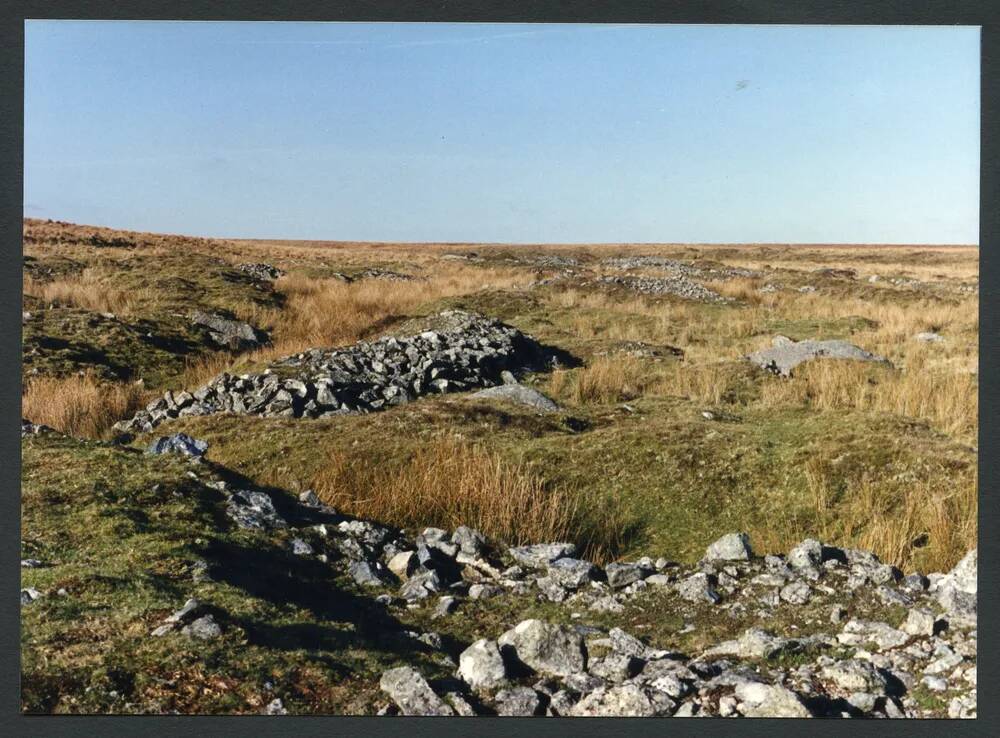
(852, 12)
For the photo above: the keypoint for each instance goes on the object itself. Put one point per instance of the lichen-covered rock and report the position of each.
(482, 666)
(545, 648)
(786, 354)
(731, 547)
(521, 395)
(411, 692)
(625, 700)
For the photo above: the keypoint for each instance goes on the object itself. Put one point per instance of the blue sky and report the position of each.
(512, 133)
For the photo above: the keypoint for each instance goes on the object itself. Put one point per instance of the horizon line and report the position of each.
(379, 242)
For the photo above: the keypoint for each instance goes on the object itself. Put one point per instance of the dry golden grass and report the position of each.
(449, 483)
(86, 291)
(80, 405)
(947, 401)
(330, 312)
(912, 523)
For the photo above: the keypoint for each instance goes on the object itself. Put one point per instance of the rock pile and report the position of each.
(387, 274)
(688, 270)
(231, 334)
(821, 653)
(261, 272)
(466, 351)
(678, 285)
(862, 669)
(786, 354)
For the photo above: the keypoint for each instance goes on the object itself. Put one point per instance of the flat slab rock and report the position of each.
(786, 354)
(521, 395)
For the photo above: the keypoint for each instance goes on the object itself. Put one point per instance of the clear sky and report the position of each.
(515, 133)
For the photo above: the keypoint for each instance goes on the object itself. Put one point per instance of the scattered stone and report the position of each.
(797, 593)
(540, 555)
(261, 272)
(179, 443)
(769, 700)
(445, 606)
(518, 701)
(698, 588)
(275, 707)
(731, 547)
(481, 665)
(204, 628)
(411, 692)
(919, 622)
(484, 591)
(254, 510)
(929, 337)
(626, 700)
(545, 648)
(231, 334)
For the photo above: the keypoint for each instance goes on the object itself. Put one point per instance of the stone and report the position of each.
(698, 588)
(731, 547)
(367, 574)
(403, 564)
(469, 541)
(616, 667)
(412, 694)
(769, 700)
(625, 700)
(540, 555)
(919, 622)
(309, 498)
(622, 575)
(518, 701)
(481, 666)
(883, 635)
(420, 586)
(852, 675)
(929, 337)
(231, 334)
(956, 591)
(521, 395)
(204, 628)
(186, 612)
(935, 683)
(545, 648)
(301, 548)
(179, 443)
(624, 643)
(484, 591)
(572, 573)
(275, 707)
(796, 593)
(785, 354)
(254, 510)
(754, 643)
(29, 595)
(445, 606)
(460, 705)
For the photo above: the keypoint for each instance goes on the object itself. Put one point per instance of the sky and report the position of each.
(526, 133)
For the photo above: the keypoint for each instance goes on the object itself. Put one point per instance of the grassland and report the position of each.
(865, 455)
